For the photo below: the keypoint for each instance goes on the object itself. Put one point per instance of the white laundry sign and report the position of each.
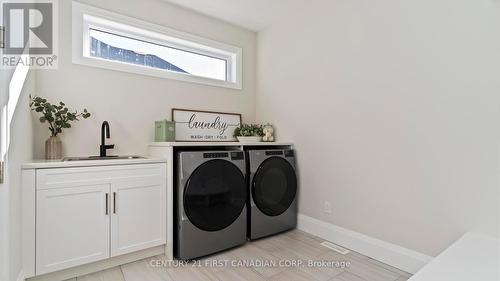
(197, 125)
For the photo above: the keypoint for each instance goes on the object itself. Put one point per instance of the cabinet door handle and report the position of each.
(107, 200)
(114, 202)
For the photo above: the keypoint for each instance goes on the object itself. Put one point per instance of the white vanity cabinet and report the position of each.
(80, 215)
(72, 227)
(138, 215)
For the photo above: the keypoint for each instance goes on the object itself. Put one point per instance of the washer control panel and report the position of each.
(274, 152)
(216, 155)
(237, 155)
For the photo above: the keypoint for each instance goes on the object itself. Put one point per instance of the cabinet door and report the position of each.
(138, 219)
(72, 226)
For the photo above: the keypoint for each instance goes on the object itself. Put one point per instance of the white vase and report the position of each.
(249, 139)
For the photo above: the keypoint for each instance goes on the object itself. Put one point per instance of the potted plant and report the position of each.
(249, 133)
(58, 117)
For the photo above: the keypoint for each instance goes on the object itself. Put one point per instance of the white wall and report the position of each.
(130, 102)
(5, 76)
(394, 107)
(20, 151)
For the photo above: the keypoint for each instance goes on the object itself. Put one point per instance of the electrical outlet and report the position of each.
(327, 207)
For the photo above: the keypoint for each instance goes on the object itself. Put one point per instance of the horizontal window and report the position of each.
(108, 40)
(111, 46)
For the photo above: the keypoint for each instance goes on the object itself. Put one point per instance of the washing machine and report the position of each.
(272, 204)
(211, 198)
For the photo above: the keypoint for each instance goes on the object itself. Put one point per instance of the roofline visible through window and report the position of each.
(87, 17)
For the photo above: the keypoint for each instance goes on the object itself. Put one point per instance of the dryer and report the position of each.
(211, 200)
(272, 203)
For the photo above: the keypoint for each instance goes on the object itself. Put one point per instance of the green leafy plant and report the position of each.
(246, 130)
(58, 116)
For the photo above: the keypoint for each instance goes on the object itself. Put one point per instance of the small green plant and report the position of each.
(58, 116)
(252, 130)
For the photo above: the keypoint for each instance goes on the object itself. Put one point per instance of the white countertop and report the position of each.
(46, 164)
(181, 143)
(474, 257)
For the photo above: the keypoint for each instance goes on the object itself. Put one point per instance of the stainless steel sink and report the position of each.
(111, 157)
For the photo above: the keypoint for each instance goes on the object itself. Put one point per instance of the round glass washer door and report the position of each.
(215, 195)
(274, 186)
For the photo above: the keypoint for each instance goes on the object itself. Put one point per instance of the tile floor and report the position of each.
(271, 258)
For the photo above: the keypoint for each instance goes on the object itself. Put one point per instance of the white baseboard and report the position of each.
(88, 268)
(393, 255)
(20, 276)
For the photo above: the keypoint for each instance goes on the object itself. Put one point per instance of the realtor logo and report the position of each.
(30, 36)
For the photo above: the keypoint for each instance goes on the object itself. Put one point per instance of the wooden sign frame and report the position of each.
(204, 126)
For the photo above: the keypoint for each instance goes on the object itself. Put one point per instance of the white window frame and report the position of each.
(85, 17)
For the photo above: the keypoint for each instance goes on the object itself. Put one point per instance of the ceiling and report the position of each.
(254, 15)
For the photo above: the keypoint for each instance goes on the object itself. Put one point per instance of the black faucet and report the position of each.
(104, 146)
